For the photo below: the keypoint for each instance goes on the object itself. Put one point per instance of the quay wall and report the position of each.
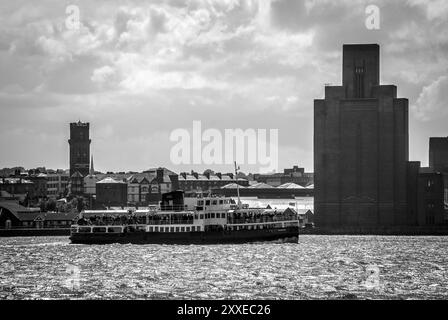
(30, 232)
(384, 231)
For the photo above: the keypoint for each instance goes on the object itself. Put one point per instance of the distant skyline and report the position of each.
(138, 70)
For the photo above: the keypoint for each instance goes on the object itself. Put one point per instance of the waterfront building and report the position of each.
(40, 180)
(13, 215)
(361, 147)
(90, 181)
(431, 209)
(206, 182)
(438, 154)
(160, 184)
(138, 190)
(295, 175)
(57, 183)
(438, 161)
(76, 185)
(264, 191)
(16, 188)
(111, 192)
(133, 190)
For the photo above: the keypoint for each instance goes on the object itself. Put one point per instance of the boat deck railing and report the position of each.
(137, 222)
(262, 219)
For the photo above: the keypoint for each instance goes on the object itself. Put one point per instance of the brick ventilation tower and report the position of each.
(361, 147)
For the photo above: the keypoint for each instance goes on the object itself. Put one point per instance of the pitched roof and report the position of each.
(290, 185)
(5, 194)
(144, 180)
(77, 174)
(31, 214)
(15, 181)
(109, 180)
(260, 185)
(132, 179)
(91, 176)
(154, 171)
(15, 207)
(231, 186)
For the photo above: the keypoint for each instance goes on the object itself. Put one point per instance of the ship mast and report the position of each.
(237, 186)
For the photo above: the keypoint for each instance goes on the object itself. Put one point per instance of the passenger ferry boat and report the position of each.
(180, 219)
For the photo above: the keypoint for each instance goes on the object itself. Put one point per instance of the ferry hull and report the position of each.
(289, 234)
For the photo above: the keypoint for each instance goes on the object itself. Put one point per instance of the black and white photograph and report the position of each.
(213, 152)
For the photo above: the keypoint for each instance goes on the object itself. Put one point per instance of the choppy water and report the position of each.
(324, 267)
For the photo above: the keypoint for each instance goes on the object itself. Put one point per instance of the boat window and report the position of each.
(213, 215)
(85, 229)
(177, 229)
(182, 229)
(200, 202)
(221, 201)
(172, 229)
(215, 202)
(114, 229)
(223, 215)
(150, 229)
(201, 216)
(196, 216)
(207, 202)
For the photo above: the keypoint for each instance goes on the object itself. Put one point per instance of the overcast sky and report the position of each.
(137, 70)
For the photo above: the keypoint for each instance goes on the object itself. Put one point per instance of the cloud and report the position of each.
(435, 9)
(137, 70)
(433, 100)
(100, 75)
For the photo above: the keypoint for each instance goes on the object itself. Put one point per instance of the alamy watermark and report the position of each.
(72, 21)
(372, 277)
(73, 280)
(372, 17)
(211, 146)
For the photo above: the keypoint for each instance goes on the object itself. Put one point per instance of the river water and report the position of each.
(317, 267)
